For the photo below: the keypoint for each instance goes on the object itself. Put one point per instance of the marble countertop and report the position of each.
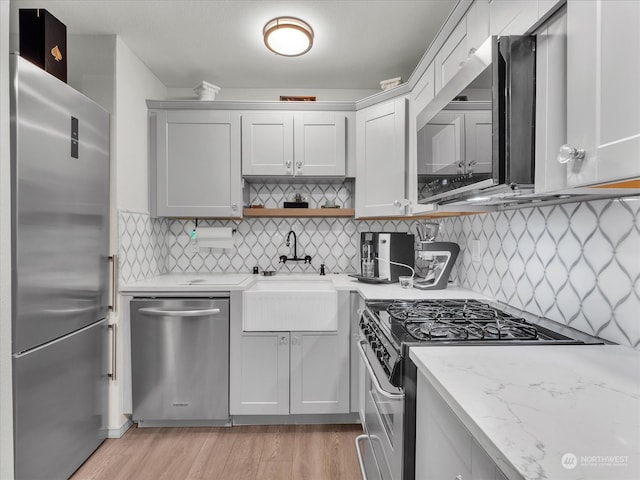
(208, 282)
(545, 412)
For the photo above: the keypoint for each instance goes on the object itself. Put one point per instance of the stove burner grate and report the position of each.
(432, 320)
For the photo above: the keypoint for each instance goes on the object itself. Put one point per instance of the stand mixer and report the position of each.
(435, 259)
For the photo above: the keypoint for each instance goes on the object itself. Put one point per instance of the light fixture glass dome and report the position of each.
(288, 36)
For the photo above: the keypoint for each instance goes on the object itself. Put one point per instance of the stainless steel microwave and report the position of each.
(476, 139)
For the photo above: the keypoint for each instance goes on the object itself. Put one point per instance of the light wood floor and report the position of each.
(282, 452)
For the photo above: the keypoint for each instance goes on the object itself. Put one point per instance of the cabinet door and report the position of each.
(603, 107)
(381, 160)
(267, 144)
(451, 56)
(551, 105)
(196, 170)
(263, 384)
(424, 91)
(441, 145)
(319, 144)
(509, 17)
(443, 441)
(319, 372)
(478, 148)
(477, 25)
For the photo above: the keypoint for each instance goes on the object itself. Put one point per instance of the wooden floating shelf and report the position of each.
(299, 212)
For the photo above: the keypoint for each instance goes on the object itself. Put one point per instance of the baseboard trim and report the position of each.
(349, 418)
(118, 432)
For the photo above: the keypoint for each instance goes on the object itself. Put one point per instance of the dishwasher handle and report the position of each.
(158, 312)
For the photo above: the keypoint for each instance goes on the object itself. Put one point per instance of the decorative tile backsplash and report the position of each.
(575, 263)
(143, 250)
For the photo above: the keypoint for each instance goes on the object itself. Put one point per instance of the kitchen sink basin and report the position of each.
(290, 305)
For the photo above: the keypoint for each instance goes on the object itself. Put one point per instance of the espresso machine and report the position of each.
(434, 260)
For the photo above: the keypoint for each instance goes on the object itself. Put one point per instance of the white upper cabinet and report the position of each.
(551, 105)
(465, 39)
(603, 107)
(294, 144)
(381, 160)
(267, 144)
(511, 17)
(195, 164)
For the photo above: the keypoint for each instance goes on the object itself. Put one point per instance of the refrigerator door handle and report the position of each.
(114, 282)
(114, 351)
(178, 313)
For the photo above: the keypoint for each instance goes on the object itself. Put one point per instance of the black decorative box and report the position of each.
(43, 41)
(296, 204)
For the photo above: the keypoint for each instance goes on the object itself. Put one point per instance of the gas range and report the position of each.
(391, 327)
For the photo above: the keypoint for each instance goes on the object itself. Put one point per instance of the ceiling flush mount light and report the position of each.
(288, 36)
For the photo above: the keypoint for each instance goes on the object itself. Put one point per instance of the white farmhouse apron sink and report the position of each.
(290, 305)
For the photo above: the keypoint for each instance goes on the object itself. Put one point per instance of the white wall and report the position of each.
(134, 84)
(6, 409)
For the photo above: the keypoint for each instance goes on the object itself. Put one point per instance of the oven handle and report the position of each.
(359, 440)
(374, 379)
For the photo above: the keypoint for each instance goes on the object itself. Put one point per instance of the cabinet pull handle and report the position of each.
(114, 282)
(569, 152)
(472, 50)
(114, 352)
(458, 477)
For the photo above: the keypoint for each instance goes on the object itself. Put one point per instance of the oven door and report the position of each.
(383, 407)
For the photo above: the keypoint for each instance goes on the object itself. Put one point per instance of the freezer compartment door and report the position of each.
(60, 404)
(60, 168)
(180, 359)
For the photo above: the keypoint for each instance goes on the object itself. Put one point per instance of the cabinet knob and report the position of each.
(568, 153)
(471, 51)
(234, 206)
(294, 341)
(458, 477)
(298, 165)
(284, 341)
(288, 164)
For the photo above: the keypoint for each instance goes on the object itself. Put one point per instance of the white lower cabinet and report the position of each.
(281, 373)
(319, 373)
(260, 382)
(445, 450)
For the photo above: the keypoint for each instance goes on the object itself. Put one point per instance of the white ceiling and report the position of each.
(357, 43)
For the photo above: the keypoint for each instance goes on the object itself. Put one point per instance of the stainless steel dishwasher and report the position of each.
(180, 361)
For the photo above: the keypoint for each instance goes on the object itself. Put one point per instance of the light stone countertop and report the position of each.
(212, 282)
(530, 407)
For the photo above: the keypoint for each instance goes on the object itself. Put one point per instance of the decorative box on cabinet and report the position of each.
(311, 144)
(195, 164)
(603, 107)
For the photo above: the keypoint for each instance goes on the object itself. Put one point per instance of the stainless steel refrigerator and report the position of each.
(60, 235)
